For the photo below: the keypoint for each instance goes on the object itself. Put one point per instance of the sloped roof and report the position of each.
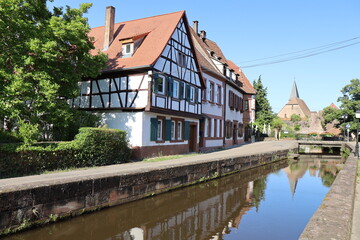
(247, 86)
(302, 105)
(203, 55)
(157, 31)
(332, 105)
(294, 92)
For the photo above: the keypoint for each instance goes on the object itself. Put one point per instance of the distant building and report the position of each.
(295, 106)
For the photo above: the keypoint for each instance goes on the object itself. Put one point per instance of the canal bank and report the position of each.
(37, 199)
(334, 218)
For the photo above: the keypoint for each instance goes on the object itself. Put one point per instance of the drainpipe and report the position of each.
(224, 129)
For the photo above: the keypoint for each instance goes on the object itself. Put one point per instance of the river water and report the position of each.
(270, 202)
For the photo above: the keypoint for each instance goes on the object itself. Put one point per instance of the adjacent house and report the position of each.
(233, 94)
(248, 101)
(213, 105)
(151, 86)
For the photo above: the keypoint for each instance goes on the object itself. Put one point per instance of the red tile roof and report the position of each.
(332, 105)
(209, 45)
(204, 57)
(247, 87)
(157, 31)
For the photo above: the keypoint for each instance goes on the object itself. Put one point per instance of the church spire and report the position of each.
(294, 92)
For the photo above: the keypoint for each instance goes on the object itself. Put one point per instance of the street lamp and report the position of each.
(344, 117)
(357, 116)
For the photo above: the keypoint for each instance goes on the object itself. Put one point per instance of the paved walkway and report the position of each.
(355, 235)
(29, 182)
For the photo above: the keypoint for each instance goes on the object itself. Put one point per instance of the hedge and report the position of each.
(91, 147)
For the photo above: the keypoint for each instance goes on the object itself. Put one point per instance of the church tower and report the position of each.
(295, 105)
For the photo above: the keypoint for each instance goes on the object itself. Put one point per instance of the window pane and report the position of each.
(179, 130)
(159, 129)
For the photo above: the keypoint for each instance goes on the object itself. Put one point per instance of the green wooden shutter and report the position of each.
(187, 91)
(153, 129)
(181, 95)
(167, 129)
(186, 130)
(169, 86)
(196, 95)
(155, 83)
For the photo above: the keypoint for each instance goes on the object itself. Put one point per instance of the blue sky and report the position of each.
(248, 30)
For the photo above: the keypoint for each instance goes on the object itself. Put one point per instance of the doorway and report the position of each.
(193, 138)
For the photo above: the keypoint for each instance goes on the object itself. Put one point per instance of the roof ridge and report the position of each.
(138, 19)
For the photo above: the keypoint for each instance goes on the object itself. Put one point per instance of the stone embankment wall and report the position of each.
(38, 203)
(333, 219)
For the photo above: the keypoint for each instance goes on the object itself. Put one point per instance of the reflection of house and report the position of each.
(295, 106)
(151, 86)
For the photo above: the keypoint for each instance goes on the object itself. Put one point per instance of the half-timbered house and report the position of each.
(151, 86)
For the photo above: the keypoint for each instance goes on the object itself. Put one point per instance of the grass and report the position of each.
(164, 158)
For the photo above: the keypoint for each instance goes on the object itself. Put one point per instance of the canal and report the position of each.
(270, 202)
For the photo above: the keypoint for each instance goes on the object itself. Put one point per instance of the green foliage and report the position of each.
(8, 137)
(28, 132)
(345, 152)
(77, 119)
(277, 123)
(350, 103)
(92, 147)
(43, 56)
(297, 127)
(263, 111)
(330, 114)
(295, 118)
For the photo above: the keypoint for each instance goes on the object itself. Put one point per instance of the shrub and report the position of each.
(295, 118)
(297, 127)
(91, 147)
(101, 146)
(29, 132)
(8, 137)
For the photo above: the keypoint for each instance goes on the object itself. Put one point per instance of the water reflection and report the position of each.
(212, 210)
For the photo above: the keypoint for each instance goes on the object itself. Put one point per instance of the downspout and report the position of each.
(224, 128)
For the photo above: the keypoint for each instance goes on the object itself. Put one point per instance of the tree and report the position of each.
(330, 114)
(277, 124)
(350, 103)
(43, 56)
(263, 111)
(295, 118)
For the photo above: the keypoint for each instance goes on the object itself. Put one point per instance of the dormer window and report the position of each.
(127, 50)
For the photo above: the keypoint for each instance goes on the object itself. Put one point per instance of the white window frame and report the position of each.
(176, 89)
(192, 94)
(162, 85)
(159, 133)
(179, 130)
(127, 49)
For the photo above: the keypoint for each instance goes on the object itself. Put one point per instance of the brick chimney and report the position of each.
(109, 26)
(196, 27)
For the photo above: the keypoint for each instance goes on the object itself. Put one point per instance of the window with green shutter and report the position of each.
(153, 129)
(181, 94)
(186, 130)
(167, 130)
